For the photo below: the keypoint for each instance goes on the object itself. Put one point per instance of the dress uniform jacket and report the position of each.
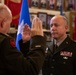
(63, 60)
(13, 62)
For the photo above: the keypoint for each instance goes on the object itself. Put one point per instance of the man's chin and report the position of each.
(54, 37)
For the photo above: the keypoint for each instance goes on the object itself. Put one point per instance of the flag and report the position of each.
(24, 18)
(61, 8)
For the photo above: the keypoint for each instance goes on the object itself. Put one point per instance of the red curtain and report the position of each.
(15, 8)
(29, 1)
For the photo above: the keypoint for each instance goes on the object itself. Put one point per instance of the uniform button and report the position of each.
(53, 60)
(51, 74)
(52, 67)
(64, 62)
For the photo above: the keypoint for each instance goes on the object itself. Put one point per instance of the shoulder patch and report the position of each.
(12, 43)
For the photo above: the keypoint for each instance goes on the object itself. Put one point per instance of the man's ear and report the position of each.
(1, 24)
(66, 27)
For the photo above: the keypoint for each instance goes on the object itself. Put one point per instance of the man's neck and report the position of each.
(58, 42)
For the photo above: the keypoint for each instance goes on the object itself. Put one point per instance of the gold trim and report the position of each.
(16, 1)
(16, 16)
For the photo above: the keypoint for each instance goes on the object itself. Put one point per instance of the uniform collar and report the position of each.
(58, 44)
(65, 43)
(4, 34)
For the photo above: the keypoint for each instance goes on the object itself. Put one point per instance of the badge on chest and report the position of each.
(66, 54)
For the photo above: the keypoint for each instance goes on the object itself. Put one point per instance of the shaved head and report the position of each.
(5, 11)
(59, 27)
(63, 18)
(5, 18)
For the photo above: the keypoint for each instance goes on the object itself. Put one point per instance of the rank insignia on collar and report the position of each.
(12, 43)
(66, 53)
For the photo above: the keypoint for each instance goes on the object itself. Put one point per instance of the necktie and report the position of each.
(54, 45)
(54, 48)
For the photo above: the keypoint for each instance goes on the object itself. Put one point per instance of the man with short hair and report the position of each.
(61, 61)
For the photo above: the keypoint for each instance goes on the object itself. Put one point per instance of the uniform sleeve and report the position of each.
(24, 47)
(74, 58)
(16, 63)
(74, 65)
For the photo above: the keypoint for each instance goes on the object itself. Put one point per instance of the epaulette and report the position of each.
(12, 41)
(2, 37)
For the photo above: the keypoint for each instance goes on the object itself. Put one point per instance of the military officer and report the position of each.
(12, 61)
(61, 61)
